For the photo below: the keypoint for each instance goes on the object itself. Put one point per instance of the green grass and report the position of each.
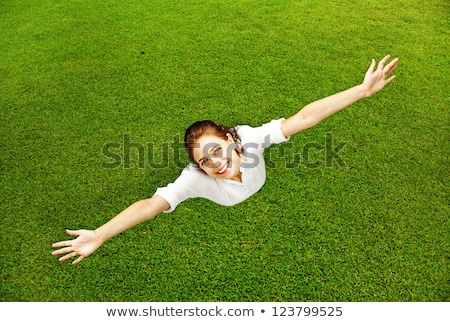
(78, 74)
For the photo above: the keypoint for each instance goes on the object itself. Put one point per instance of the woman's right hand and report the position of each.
(84, 245)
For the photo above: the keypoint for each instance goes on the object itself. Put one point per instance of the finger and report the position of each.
(67, 242)
(72, 254)
(62, 251)
(383, 61)
(79, 259)
(372, 67)
(73, 232)
(390, 79)
(391, 66)
(62, 244)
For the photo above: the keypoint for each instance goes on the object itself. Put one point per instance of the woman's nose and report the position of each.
(215, 162)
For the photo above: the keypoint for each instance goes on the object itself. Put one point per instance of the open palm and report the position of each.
(375, 79)
(84, 245)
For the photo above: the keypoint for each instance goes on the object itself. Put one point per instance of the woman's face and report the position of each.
(218, 157)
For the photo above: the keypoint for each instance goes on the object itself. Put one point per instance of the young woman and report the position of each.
(227, 163)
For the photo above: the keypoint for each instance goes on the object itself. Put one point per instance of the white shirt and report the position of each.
(193, 182)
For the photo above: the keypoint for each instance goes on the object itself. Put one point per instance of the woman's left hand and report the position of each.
(375, 80)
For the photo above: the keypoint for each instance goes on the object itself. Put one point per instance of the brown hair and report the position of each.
(200, 128)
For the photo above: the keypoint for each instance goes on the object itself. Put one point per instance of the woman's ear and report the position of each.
(230, 138)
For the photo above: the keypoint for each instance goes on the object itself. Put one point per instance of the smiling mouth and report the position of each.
(224, 168)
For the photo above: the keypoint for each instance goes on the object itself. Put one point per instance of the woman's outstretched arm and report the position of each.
(313, 113)
(90, 240)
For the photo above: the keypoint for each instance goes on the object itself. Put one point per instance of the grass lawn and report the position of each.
(78, 74)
